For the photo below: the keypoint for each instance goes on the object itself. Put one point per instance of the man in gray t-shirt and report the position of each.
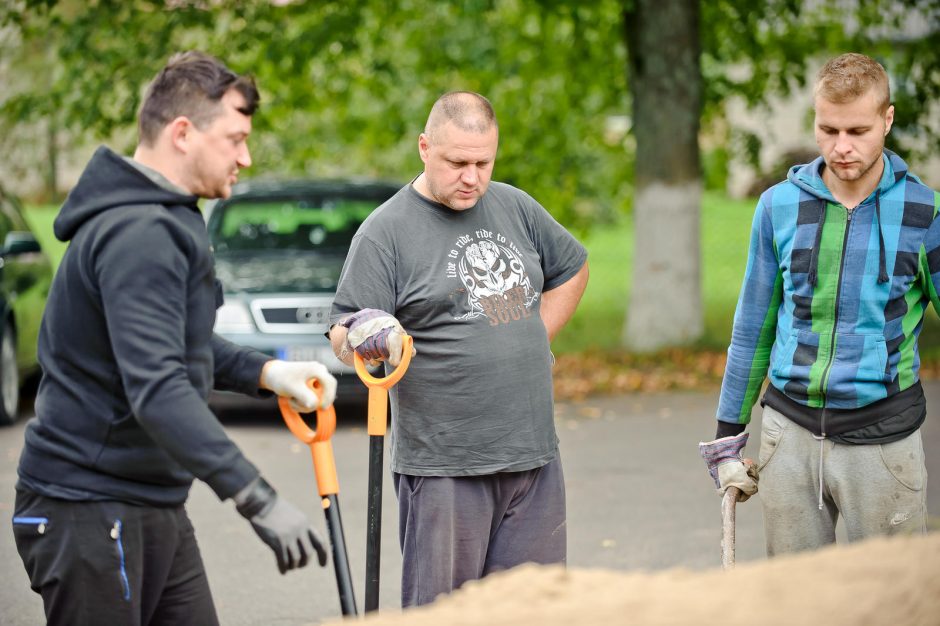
(482, 277)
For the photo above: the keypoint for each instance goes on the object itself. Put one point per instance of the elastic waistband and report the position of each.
(898, 414)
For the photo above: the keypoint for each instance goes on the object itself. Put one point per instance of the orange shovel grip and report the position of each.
(378, 387)
(324, 464)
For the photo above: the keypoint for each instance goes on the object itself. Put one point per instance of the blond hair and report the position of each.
(850, 76)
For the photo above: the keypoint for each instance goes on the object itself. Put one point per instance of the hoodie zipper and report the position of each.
(824, 382)
(116, 534)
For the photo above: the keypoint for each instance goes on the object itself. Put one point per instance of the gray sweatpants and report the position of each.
(455, 529)
(879, 489)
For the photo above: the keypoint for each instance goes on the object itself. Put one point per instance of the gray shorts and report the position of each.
(455, 529)
(878, 489)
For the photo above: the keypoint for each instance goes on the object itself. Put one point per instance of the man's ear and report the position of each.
(180, 131)
(424, 144)
(889, 119)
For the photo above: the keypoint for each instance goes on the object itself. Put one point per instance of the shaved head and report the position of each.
(468, 111)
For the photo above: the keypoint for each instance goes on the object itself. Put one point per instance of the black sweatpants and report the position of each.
(111, 562)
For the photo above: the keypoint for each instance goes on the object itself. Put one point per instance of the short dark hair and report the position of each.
(192, 85)
(469, 111)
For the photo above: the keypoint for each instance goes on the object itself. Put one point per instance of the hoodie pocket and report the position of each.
(858, 358)
(793, 361)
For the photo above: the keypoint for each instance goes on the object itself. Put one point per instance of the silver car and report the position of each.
(279, 248)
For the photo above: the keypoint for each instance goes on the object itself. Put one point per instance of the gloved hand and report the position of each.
(727, 468)
(289, 379)
(280, 524)
(375, 336)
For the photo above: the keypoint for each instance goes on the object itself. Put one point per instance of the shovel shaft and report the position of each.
(728, 502)
(378, 420)
(334, 524)
(374, 528)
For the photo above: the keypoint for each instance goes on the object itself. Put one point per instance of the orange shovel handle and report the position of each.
(378, 387)
(324, 464)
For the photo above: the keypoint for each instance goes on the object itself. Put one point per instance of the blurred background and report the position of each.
(596, 102)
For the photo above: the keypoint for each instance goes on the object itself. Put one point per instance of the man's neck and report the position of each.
(149, 159)
(851, 193)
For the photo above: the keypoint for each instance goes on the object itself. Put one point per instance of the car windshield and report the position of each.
(301, 224)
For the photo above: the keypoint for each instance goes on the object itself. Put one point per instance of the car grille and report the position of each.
(292, 315)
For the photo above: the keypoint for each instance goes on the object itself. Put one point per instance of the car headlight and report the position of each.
(233, 317)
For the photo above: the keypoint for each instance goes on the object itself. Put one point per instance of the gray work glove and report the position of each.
(375, 336)
(727, 468)
(280, 524)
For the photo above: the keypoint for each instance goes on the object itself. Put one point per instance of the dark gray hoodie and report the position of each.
(128, 353)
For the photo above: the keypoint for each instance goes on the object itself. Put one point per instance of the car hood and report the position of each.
(281, 271)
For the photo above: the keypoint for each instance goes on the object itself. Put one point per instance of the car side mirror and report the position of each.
(20, 242)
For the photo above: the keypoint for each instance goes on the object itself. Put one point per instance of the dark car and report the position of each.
(25, 278)
(279, 248)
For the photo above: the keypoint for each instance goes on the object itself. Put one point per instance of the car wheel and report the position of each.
(9, 376)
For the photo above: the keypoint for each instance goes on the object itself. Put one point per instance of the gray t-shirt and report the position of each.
(466, 285)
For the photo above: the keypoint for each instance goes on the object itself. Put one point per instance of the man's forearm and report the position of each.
(559, 304)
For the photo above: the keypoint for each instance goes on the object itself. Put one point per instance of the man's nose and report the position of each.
(469, 175)
(244, 158)
(843, 143)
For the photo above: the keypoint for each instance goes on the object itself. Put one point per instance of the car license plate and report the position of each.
(323, 354)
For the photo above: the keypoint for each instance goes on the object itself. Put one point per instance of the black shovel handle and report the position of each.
(374, 529)
(334, 524)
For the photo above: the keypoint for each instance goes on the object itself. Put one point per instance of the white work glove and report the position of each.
(375, 336)
(727, 468)
(289, 380)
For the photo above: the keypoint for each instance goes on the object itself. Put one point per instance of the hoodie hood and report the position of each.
(110, 181)
(808, 177)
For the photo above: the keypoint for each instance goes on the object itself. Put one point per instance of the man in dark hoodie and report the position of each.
(844, 260)
(128, 355)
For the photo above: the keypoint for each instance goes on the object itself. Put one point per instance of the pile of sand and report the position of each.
(881, 581)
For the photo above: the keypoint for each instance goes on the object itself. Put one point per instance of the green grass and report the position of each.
(598, 322)
(40, 219)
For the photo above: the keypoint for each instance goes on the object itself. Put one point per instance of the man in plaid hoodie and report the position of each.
(844, 259)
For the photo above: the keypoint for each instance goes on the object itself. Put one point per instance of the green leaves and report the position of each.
(346, 86)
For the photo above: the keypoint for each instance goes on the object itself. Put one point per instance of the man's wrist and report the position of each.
(254, 498)
(729, 429)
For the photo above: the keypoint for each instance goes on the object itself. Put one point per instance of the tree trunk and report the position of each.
(665, 81)
(52, 160)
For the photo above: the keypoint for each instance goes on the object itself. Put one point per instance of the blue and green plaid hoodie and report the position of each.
(833, 301)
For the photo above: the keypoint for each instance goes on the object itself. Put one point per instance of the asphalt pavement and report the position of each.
(639, 498)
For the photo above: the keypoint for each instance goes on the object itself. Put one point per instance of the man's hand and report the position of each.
(289, 379)
(375, 336)
(727, 468)
(281, 525)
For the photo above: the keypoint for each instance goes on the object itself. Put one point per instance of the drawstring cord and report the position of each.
(822, 440)
(814, 254)
(882, 265)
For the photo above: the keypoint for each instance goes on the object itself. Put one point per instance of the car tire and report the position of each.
(9, 376)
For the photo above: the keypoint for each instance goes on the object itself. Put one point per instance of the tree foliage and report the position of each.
(346, 86)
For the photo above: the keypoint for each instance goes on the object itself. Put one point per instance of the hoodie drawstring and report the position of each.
(882, 265)
(814, 255)
(822, 442)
